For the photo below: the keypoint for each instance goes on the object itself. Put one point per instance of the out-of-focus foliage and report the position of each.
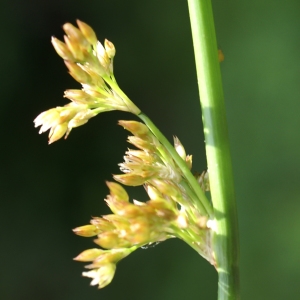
(46, 191)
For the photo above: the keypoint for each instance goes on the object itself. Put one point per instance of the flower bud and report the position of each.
(62, 50)
(88, 32)
(109, 48)
(153, 192)
(102, 276)
(189, 161)
(165, 187)
(57, 132)
(140, 157)
(102, 56)
(122, 208)
(117, 191)
(107, 240)
(136, 128)
(81, 118)
(75, 35)
(179, 148)
(89, 255)
(110, 240)
(120, 223)
(87, 230)
(110, 256)
(141, 143)
(75, 49)
(77, 73)
(130, 179)
(46, 119)
(102, 224)
(79, 97)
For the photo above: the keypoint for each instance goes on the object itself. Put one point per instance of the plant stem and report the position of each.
(225, 241)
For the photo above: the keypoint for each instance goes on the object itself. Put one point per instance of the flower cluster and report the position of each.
(131, 226)
(91, 64)
(175, 207)
(169, 212)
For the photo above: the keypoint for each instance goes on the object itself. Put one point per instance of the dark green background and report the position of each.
(48, 190)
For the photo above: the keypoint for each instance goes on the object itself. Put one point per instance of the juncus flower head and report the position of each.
(168, 213)
(91, 64)
(61, 120)
(132, 225)
(103, 267)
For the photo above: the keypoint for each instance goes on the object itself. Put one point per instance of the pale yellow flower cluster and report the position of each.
(91, 64)
(131, 225)
(169, 212)
(103, 265)
(61, 120)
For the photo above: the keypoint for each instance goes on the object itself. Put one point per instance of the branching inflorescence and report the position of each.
(174, 208)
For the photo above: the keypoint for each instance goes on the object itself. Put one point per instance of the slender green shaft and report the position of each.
(225, 241)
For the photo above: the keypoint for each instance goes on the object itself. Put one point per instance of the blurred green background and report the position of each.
(48, 190)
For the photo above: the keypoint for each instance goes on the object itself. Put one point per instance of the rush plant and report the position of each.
(178, 206)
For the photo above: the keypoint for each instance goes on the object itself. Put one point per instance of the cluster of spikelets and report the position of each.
(91, 64)
(171, 210)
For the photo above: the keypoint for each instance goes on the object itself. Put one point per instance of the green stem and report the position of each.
(225, 241)
(204, 207)
(114, 85)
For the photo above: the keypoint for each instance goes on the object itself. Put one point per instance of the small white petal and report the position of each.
(92, 274)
